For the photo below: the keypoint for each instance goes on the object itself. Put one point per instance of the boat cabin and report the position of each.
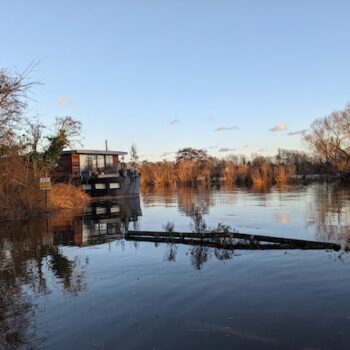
(78, 164)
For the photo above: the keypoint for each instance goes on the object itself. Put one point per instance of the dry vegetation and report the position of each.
(259, 171)
(20, 196)
(25, 157)
(68, 197)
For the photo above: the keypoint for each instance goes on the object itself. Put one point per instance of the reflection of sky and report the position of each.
(282, 218)
(134, 298)
(296, 213)
(167, 74)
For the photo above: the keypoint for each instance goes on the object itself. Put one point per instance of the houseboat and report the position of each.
(100, 173)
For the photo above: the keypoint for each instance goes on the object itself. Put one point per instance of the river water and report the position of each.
(76, 283)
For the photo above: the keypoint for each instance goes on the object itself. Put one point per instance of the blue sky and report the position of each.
(167, 74)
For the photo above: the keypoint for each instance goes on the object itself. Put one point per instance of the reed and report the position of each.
(283, 172)
(68, 197)
(230, 173)
(259, 171)
(158, 174)
(187, 171)
(20, 196)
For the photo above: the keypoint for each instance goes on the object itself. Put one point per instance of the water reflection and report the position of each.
(32, 262)
(38, 262)
(317, 211)
(330, 212)
(103, 221)
(28, 259)
(203, 197)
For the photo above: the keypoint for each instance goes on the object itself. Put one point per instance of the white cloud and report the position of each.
(226, 128)
(279, 127)
(226, 149)
(174, 121)
(165, 154)
(64, 101)
(300, 132)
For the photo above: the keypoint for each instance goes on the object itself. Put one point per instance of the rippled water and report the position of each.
(71, 283)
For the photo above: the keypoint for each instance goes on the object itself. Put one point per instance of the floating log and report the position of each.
(228, 240)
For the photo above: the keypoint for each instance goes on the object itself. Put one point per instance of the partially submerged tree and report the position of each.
(329, 140)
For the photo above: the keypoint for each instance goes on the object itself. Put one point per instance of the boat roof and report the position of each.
(97, 152)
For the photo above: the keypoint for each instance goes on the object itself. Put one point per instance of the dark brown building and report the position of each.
(76, 164)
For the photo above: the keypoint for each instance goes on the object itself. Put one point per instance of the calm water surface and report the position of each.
(314, 212)
(71, 283)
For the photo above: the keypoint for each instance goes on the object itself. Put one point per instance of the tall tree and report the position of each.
(66, 135)
(329, 139)
(189, 153)
(14, 89)
(134, 155)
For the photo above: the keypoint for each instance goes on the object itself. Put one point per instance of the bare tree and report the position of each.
(329, 139)
(134, 153)
(134, 156)
(13, 98)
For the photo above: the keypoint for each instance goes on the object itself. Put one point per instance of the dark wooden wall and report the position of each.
(75, 165)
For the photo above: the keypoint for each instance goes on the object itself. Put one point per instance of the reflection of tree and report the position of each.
(330, 212)
(27, 256)
(170, 252)
(71, 273)
(202, 196)
(223, 254)
(198, 197)
(201, 253)
(154, 195)
(186, 197)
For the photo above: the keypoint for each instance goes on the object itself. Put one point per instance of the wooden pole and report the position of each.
(46, 201)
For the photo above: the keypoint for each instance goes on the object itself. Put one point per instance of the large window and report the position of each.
(100, 162)
(109, 161)
(94, 162)
(87, 162)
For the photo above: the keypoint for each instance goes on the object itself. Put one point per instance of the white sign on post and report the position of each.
(45, 183)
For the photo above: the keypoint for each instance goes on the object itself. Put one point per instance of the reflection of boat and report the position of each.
(100, 173)
(103, 221)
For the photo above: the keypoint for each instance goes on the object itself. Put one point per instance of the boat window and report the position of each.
(101, 210)
(115, 209)
(83, 162)
(109, 161)
(114, 185)
(86, 187)
(100, 186)
(87, 162)
(100, 161)
(112, 228)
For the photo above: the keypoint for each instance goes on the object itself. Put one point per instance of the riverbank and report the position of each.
(24, 203)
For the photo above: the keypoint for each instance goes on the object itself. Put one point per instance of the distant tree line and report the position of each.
(328, 141)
